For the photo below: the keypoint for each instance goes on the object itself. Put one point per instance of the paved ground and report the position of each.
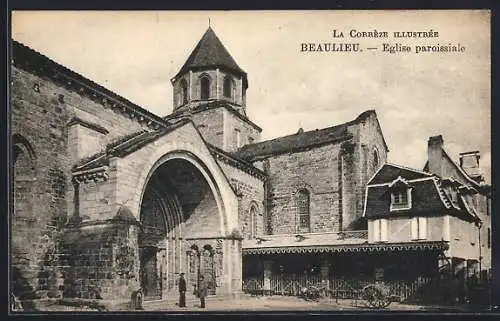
(278, 303)
(247, 303)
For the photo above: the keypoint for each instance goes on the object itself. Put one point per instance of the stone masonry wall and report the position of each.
(315, 170)
(250, 193)
(234, 126)
(210, 124)
(40, 111)
(39, 118)
(100, 262)
(359, 166)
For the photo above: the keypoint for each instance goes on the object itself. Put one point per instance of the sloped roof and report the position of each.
(389, 172)
(125, 145)
(236, 162)
(210, 52)
(32, 61)
(425, 200)
(428, 198)
(186, 112)
(293, 143)
(458, 168)
(300, 141)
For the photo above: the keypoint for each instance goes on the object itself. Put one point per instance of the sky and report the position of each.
(135, 54)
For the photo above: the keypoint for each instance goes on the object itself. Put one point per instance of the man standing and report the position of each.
(202, 291)
(182, 291)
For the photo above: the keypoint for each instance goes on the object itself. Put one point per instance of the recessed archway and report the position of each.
(178, 202)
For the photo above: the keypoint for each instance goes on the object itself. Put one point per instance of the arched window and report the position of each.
(228, 87)
(253, 221)
(303, 199)
(184, 91)
(205, 87)
(24, 162)
(23, 156)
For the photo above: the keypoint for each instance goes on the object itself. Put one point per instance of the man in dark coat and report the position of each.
(202, 291)
(182, 291)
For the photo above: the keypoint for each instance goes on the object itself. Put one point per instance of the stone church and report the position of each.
(109, 198)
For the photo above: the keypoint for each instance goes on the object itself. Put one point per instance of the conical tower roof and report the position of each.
(211, 53)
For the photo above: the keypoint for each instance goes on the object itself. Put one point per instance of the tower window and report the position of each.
(205, 87)
(304, 211)
(184, 93)
(228, 87)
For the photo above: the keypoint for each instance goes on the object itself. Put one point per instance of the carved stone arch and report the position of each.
(22, 147)
(301, 184)
(23, 176)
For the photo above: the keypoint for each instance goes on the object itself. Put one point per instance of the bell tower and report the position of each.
(210, 88)
(210, 74)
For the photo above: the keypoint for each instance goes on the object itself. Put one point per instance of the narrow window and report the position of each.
(489, 237)
(376, 230)
(253, 222)
(228, 87)
(380, 230)
(418, 228)
(304, 211)
(414, 228)
(422, 228)
(205, 87)
(384, 236)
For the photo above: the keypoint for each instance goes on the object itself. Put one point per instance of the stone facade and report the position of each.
(335, 175)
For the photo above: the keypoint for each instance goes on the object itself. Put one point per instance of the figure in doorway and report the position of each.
(182, 291)
(202, 291)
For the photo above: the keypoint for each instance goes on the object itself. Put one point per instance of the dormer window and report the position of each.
(400, 195)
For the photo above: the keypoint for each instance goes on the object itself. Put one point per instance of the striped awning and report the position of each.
(365, 247)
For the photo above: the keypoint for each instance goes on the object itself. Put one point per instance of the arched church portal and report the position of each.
(177, 203)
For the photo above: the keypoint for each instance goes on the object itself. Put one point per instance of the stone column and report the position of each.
(237, 273)
(267, 276)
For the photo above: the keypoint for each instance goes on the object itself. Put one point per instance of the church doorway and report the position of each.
(176, 202)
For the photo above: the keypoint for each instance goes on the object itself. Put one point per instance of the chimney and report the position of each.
(435, 154)
(469, 161)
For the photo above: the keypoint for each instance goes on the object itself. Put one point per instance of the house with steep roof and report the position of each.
(441, 213)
